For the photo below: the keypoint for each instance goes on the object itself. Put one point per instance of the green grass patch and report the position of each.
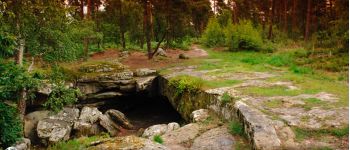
(275, 91)
(280, 60)
(302, 134)
(301, 70)
(220, 83)
(236, 128)
(158, 139)
(186, 83)
(273, 103)
(77, 144)
(226, 98)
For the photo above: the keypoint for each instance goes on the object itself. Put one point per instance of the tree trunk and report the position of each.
(146, 20)
(308, 20)
(285, 27)
(294, 15)
(271, 18)
(123, 39)
(121, 24)
(82, 9)
(234, 14)
(88, 14)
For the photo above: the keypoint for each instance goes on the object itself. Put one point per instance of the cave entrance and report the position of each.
(144, 111)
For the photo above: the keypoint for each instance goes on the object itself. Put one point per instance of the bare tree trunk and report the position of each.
(271, 18)
(294, 15)
(234, 13)
(121, 24)
(285, 27)
(86, 48)
(146, 17)
(82, 9)
(308, 20)
(88, 14)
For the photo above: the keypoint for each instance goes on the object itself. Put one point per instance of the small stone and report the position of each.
(183, 56)
(160, 52)
(199, 115)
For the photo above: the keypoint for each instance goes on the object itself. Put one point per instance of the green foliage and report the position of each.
(7, 45)
(213, 34)
(280, 60)
(61, 96)
(300, 70)
(236, 128)
(185, 83)
(13, 79)
(226, 98)
(10, 125)
(158, 139)
(244, 36)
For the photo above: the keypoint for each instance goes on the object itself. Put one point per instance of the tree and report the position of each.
(308, 20)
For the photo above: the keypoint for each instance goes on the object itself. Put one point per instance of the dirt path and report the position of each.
(137, 59)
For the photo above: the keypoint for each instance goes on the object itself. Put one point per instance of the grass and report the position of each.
(226, 98)
(158, 139)
(187, 83)
(273, 103)
(236, 128)
(220, 83)
(302, 134)
(275, 91)
(77, 144)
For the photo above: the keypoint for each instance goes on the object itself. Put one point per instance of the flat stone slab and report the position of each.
(258, 127)
(214, 139)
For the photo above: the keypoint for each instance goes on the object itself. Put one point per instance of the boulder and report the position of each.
(160, 52)
(87, 123)
(53, 130)
(199, 115)
(159, 129)
(105, 95)
(69, 115)
(23, 144)
(144, 83)
(119, 118)
(31, 121)
(217, 138)
(183, 135)
(129, 143)
(107, 123)
(145, 72)
(183, 56)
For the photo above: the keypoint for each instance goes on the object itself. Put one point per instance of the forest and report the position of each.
(274, 50)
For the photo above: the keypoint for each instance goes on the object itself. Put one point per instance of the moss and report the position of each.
(186, 83)
(274, 103)
(158, 139)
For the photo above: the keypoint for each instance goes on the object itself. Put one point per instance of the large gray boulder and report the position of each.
(214, 139)
(107, 123)
(57, 127)
(31, 121)
(186, 134)
(159, 129)
(23, 144)
(119, 118)
(53, 130)
(199, 115)
(87, 124)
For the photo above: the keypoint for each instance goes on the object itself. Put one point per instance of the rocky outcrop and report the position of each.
(144, 72)
(177, 138)
(57, 127)
(106, 122)
(160, 129)
(87, 124)
(119, 118)
(23, 144)
(215, 139)
(31, 121)
(129, 143)
(200, 115)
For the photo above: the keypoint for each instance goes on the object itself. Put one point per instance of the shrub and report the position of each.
(226, 98)
(186, 83)
(213, 34)
(244, 36)
(60, 97)
(280, 60)
(236, 128)
(10, 125)
(158, 139)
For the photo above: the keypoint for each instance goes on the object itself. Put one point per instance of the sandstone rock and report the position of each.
(53, 130)
(214, 139)
(119, 118)
(258, 127)
(107, 123)
(69, 115)
(183, 56)
(23, 144)
(129, 143)
(106, 95)
(160, 129)
(127, 88)
(199, 115)
(86, 124)
(144, 83)
(181, 136)
(145, 72)
(31, 121)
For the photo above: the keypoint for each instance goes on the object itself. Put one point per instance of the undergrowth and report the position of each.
(186, 83)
